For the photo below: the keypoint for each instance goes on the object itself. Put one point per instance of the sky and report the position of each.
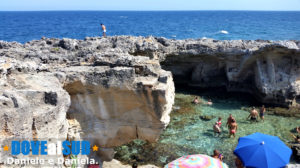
(38, 5)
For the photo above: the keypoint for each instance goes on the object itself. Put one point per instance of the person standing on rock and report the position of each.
(103, 29)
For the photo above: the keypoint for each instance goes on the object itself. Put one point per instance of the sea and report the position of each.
(221, 25)
(187, 133)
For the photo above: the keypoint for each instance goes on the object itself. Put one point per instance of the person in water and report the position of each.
(253, 115)
(217, 155)
(103, 29)
(233, 128)
(219, 122)
(229, 120)
(196, 100)
(209, 102)
(262, 113)
(217, 129)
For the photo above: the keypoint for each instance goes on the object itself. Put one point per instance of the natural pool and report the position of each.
(187, 133)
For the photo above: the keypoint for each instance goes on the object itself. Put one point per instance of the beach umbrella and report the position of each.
(262, 151)
(196, 161)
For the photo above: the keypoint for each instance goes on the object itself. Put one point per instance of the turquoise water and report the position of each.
(188, 134)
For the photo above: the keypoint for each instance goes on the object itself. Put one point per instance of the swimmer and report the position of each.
(209, 102)
(253, 115)
(196, 100)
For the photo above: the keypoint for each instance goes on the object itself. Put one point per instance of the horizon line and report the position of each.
(82, 10)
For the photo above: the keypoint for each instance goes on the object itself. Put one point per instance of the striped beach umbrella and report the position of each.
(196, 161)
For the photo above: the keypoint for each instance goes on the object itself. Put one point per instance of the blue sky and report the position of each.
(8, 5)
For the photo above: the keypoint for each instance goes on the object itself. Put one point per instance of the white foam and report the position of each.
(223, 32)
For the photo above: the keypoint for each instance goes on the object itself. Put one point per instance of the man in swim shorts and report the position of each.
(229, 120)
(103, 29)
(262, 113)
(253, 115)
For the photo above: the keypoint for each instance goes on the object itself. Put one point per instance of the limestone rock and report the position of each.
(121, 88)
(113, 97)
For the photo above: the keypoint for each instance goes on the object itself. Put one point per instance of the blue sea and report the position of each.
(222, 25)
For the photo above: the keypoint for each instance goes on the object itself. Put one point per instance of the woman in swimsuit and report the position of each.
(219, 122)
(209, 102)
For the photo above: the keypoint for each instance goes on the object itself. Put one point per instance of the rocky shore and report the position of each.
(116, 89)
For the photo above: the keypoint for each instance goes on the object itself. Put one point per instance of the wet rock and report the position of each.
(207, 117)
(286, 112)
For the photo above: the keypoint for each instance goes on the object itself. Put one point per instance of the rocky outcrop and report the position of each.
(116, 89)
(267, 69)
(75, 90)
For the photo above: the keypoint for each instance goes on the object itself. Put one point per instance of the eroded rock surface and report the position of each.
(120, 88)
(108, 96)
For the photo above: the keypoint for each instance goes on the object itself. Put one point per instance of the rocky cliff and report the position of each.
(81, 90)
(112, 90)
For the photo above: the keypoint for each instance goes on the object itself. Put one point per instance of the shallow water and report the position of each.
(188, 134)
